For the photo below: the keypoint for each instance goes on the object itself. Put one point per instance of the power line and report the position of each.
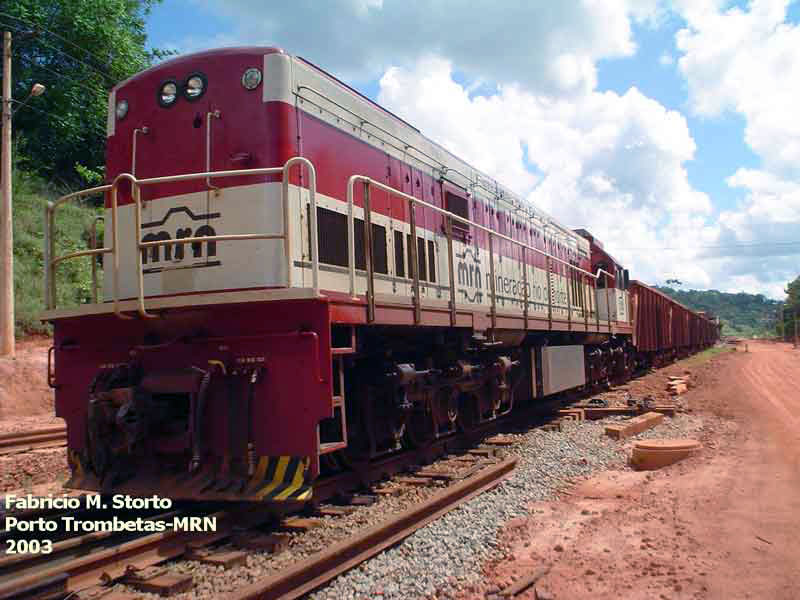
(54, 34)
(35, 65)
(44, 112)
(719, 247)
(60, 50)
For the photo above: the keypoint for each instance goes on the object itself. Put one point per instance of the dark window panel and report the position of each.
(399, 263)
(432, 261)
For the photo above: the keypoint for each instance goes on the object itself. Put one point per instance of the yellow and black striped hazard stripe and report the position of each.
(280, 478)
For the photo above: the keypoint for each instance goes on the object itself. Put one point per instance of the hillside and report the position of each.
(743, 315)
(31, 194)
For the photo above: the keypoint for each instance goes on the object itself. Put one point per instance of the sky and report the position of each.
(667, 129)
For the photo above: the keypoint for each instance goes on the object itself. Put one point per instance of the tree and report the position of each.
(81, 49)
(791, 309)
(793, 293)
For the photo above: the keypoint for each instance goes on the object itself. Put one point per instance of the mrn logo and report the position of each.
(199, 254)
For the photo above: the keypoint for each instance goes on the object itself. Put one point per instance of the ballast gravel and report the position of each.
(446, 556)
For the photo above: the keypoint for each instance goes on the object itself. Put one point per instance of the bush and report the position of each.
(31, 194)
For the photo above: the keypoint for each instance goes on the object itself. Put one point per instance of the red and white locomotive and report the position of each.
(292, 274)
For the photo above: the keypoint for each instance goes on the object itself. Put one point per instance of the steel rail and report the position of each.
(43, 431)
(110, 562)
(320, 568)
(29, 440)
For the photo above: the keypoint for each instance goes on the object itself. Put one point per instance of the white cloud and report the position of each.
(611, 163)
(548, 46)
(747, 61)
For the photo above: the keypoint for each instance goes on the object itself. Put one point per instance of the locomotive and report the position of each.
(294, 278)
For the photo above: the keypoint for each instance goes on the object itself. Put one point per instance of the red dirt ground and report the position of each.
(26, 403)
(722, 525)
(23, 381)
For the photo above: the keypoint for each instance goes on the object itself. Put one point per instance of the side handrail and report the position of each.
(450, 217)
(367, 181)
(93, 246)
(51, 260)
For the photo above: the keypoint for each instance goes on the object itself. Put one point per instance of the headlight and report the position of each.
(194, 87)
(122, 109)
(251, 78)
(168, 93)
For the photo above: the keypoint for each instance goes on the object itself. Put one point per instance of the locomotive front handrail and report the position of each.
(368, 181)
(51, 261)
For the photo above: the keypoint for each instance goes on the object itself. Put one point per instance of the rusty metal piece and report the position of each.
(35, 432)
(486, 452)
(499, 440)
(165, 584)
(106, 593)
(274, 543)
(394, 490)
(362, 500)
(337, 511)
(320, 568)
(419, 481)
(133, 573)
(434, 474)
(226, 559)
(300, 524)
(24, 442)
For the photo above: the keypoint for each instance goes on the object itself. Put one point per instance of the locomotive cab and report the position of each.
(202, 113)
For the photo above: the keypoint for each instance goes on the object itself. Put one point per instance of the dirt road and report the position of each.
(723, 525)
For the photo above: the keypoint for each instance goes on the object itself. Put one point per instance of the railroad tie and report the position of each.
(274, 543)
(224, 558)
(300, 524)
(155, 580)
(634, 425)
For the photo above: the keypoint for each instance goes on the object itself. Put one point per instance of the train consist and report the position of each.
(295, 279)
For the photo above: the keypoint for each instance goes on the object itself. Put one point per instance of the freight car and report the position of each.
(665, 329)
(294, 278)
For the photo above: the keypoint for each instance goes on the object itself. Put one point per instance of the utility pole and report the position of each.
(6, 218)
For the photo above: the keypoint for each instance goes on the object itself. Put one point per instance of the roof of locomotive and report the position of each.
(186, 58)
(506, 195)
(506, 192)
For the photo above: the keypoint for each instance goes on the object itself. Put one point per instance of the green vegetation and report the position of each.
(31, 195)
(706, 355)
(742, 315)
(791, 310)
(80, 50)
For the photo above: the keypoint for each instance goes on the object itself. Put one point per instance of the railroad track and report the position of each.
(84, 565)
(25, 441)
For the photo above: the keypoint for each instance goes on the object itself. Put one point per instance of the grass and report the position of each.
(31, 194)
(708, 354)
